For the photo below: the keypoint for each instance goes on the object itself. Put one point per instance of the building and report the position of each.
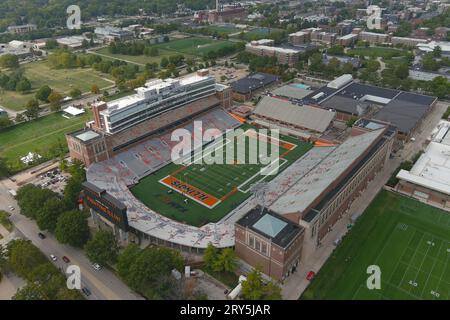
(288, 56)
(323, 37)
(294, 91)
(72, 42)
(299, 37)
(429, 178)
(410, 42)
(350, 100)
(270, 241)
(304, 121)
(123, 122)
(430, 46)
(22, 29)
(109, 34)
(355, 62)
(227, 15)
(21, 49)
(245, 88)
(347, 40)
(374, 38)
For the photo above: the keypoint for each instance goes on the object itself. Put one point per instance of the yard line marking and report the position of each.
(429, 273)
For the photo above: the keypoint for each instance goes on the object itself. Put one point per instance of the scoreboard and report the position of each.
(106, 205)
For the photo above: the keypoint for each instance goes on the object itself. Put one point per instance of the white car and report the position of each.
(53, 257)
(11, 208)
(96, 266)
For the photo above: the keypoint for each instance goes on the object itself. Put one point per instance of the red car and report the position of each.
(65, 259)
(310, 275)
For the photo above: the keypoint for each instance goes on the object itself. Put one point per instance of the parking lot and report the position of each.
(54, 180)
(226, 75)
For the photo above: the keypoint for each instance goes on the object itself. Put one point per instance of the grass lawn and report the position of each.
(195, 46)
(229, 279)
(61, 80)
(385, 53)
(225, 185)
(141, 59)
(222, 29)
(37, 135)
(4, 220)
(257, 33)
(408, 240)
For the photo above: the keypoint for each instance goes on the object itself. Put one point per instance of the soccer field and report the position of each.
(195, 45)
(408, 240)
(198, 193)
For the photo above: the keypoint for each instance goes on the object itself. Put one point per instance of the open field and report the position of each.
(37, 135)
(222, 29)
(212, 190)
(257, 33)
(196, 46)
(383, 52)
(140, 59)
(61, 80)
(408, 240)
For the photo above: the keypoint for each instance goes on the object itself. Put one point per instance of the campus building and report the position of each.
(429, 178)
(374, 38)
(288, 56)
(22, 28)
(245, 88)
(270, 241)
(122, 122)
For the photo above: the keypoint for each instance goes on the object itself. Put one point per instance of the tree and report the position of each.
(127, 259)
(95, 89)
(75, 93)
(255, 289)
(227, 260)
(164, 62)
(102, 248)
(30, 199)
(23, 85)
(4, 170)
(402, 71)
(210, 256)
(32, 109)
(48, 215)
(72, 228)
(5, 122)
(10, 61)
(55, 98)
(43, 93)
(437, 51)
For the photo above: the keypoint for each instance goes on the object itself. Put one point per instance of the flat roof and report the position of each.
(432, 169)
(278, 229)
(292, 91)
(304, 116)
(253, 82)
(87, 135)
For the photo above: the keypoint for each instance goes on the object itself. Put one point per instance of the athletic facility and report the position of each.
(200, 193)
(408, 240)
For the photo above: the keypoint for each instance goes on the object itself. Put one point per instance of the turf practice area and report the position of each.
(408, 240)
(196, 46)
(198, 193)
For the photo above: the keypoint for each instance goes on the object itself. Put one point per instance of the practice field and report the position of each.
(196, 46)
(140, 60)
(37, 135)
(198, 193)
(61, 80)
(408, 240)
(383, 52)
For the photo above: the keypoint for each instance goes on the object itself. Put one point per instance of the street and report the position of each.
(103, 284)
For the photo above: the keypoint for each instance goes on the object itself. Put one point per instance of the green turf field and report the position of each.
(229, 183)
(196, 46)
(61, 80)
(37, 135)
(408, 240)
(140, 60)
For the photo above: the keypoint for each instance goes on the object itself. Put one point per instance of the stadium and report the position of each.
(134, 187)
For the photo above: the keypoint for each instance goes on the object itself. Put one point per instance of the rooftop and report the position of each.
(271, 225)
(253, 82)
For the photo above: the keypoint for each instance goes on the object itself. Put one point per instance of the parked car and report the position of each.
(86, 291)
(65, 259)
(53, 257)
(310, 275)
(41, 235)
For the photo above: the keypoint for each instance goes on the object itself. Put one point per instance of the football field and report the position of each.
(198, 192)
(408, 240)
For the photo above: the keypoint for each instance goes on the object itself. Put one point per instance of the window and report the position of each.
(251, 241)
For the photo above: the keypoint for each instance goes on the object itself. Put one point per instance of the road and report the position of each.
(103, 284)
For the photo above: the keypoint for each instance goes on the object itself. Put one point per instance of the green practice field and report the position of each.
(408, 240)
(37, 135)
(226, 185)
(139, 60)
(196, 46)
(385, 53)
(61, 80)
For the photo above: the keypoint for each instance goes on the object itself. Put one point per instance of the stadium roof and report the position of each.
(432, 169)
(346, 105)
(253, 82)
(307, 117)
(330, 169)
(291, 91)
(271, 225)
